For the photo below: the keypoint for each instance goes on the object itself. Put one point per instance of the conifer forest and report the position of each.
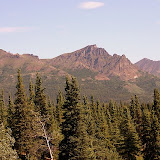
(35, 127)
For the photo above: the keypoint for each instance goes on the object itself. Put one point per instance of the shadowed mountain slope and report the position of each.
(150, 66)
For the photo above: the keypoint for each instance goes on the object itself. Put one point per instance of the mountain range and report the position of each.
(100, 74)
(150, 66)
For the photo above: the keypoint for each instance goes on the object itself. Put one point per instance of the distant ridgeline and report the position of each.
(75, 127)
(99, 74)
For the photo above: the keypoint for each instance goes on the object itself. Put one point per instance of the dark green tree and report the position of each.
(31, 93)
(130, 147)
(40, 98)
(146, 132)
(10, 111)
(85, 141)
(138, 117)
(69, 144)
(60, 102)
(156, 103)
(132, 108)
(151, 137)
(3, 110)
(24, 124)
(52, 129)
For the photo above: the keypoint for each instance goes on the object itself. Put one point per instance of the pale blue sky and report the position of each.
(48, 28)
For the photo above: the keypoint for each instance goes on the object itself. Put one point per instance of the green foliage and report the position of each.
(6, 144)
(10, 111)
(156, 103)
(60, 102)
(40, 98)
(75, 129)
(3, 109)
(130, 146)
(24, 124)
(85, 141)
(69, 145)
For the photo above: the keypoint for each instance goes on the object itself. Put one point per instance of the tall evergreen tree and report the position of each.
(10, 111)
(151, 137)
(23, 122)
(20, 122)
(69, 145)
(138, 117)
(31, 93)
(60, 102)
(3, 110)
(132, 108)
(85, 141)
(40, 97)
(6, 144)
(53, 129)
(156, 103)
(130, 148)
(146, 132)
(155, 137)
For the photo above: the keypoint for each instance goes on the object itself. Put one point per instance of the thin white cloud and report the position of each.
(14, 29)
(91, 5)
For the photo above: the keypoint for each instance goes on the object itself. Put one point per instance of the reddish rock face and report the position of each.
(98, 59)
(147, 65)
(91, 57)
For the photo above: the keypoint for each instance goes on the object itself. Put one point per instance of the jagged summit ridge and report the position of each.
(99, 60)
(150, 66)
(91, 57)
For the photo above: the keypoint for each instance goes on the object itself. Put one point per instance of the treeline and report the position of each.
(32, 127)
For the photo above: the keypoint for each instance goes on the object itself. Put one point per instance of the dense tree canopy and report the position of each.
(35, 127)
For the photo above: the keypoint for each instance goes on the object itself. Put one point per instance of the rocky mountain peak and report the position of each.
(2, 52)
(149, 66)
(92, 58)
(98, 60)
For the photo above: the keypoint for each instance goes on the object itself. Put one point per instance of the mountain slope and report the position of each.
(150, 66)
(97, 60)
(99, 74)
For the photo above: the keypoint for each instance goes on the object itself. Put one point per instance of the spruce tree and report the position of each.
(156, 103)
(40, 98)
(6, 144)
(138, 117)
(31, 93)
(69, 144)
(10, 111)
(146, 132)
(113, 122)
(20, 122)
(85, 141)
(151, 137)
(53, 129)
(3, 110)
(60, 102)
(155, 135)
(130, 147)
(132, 108)
(23, 122)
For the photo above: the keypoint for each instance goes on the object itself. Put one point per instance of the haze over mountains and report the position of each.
(150, 66)
(112, 77)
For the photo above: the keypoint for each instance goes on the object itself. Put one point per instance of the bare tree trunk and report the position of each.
(50, 151)
(47, 141)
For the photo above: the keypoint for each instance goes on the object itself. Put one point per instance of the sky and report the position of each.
(48, 28)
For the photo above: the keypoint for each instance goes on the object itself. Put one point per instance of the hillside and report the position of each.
(150, 66)
(100, 74)
(97, 60)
